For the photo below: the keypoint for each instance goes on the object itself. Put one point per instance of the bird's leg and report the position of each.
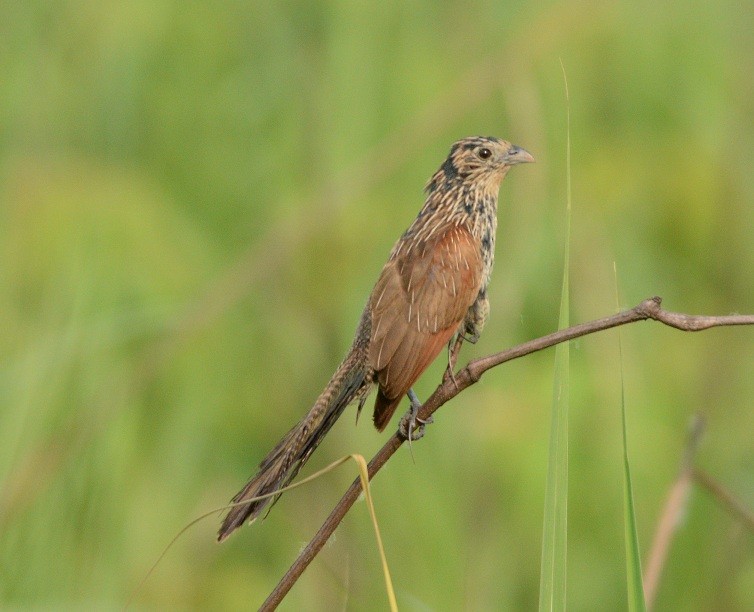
(476, 318)
(471, 337)
(454, 348)
(470, 331)
(408, 427)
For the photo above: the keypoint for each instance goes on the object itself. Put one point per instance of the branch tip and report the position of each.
(650, 308)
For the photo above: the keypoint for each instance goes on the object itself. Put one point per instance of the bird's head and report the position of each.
(480, 160)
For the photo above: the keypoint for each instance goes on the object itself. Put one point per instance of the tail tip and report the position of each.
(230, 524)
(222, 535)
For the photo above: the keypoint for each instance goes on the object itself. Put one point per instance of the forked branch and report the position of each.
(452, 386)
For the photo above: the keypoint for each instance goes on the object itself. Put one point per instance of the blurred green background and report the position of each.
(195, 199)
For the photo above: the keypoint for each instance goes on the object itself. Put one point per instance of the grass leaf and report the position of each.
(552, 585)
(636, 601)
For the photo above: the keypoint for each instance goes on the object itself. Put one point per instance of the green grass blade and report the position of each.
(636, 601)
(552, 584)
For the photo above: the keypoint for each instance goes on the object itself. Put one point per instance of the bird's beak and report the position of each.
(517, 155)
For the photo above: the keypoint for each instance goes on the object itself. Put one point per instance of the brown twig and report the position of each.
(676, 506)
(452, 386)
(725, 498)
(670, 519)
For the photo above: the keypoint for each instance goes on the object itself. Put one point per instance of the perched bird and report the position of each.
(432, 288)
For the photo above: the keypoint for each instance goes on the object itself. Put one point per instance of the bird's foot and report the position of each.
(411, 427)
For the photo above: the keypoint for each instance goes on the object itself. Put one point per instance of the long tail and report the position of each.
(281, 465)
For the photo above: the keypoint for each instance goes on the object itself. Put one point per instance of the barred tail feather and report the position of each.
(282, 464)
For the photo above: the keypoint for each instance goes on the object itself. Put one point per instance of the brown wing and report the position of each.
(418, 303)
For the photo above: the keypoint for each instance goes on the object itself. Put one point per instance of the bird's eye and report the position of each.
(484, 153)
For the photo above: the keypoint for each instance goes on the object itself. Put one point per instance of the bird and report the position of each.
(431, 292)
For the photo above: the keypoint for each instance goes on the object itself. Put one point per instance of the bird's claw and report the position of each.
(471, 338)
(411, 427)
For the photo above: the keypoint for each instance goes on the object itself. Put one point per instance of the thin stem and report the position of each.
(452, 386)
(675, 506)
(725, 498)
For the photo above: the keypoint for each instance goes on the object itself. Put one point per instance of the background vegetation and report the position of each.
(195, 199)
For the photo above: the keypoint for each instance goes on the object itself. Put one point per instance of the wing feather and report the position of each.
(419, 301)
